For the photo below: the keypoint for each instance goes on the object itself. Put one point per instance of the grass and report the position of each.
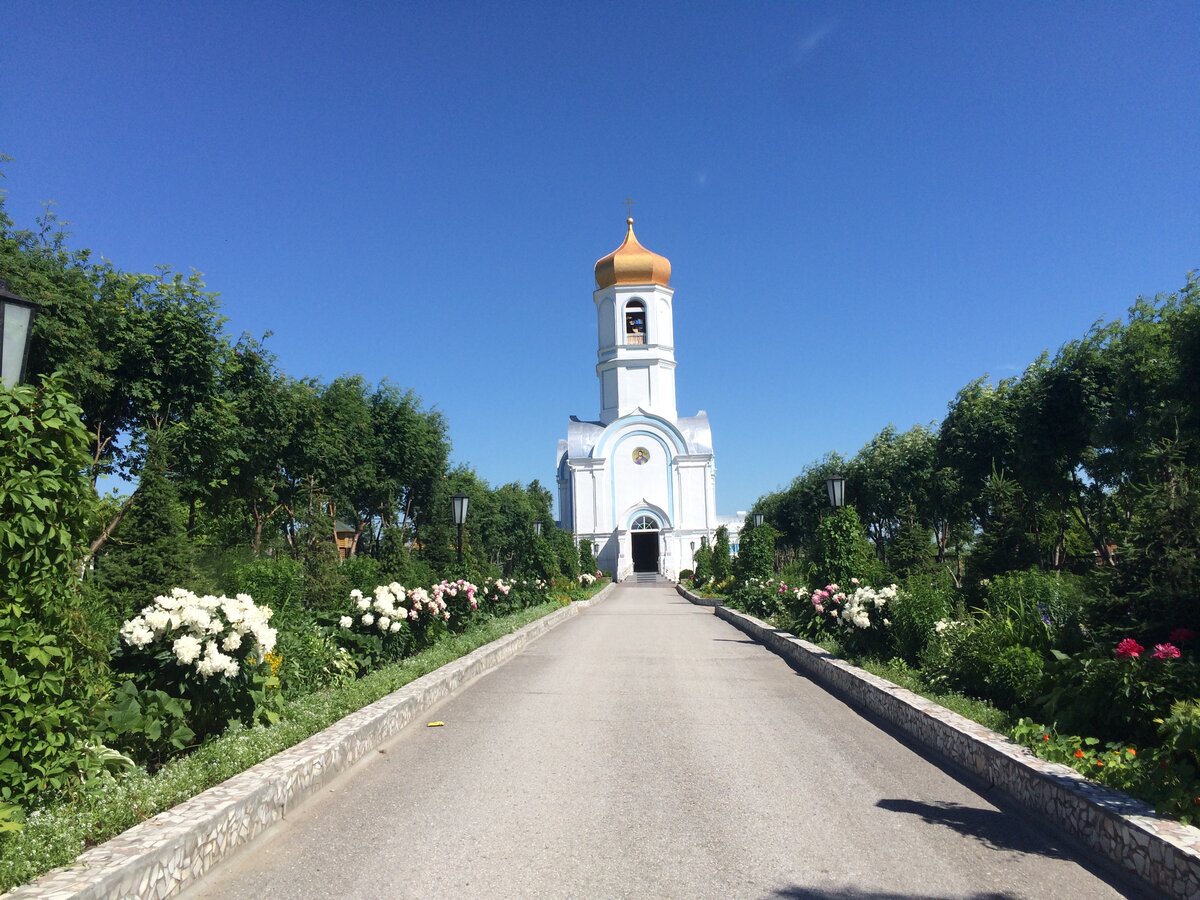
(56, 834)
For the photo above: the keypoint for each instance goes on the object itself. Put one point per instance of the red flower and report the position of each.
(1165, 651)
(1182, 636)
(1129, 649)
(1045, 737)
(1079, 754)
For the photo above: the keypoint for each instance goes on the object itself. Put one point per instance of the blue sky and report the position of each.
(866, 205)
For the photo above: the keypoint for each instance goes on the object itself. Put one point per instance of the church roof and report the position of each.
(631, 263)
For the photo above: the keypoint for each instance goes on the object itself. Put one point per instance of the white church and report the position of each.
(640, 482)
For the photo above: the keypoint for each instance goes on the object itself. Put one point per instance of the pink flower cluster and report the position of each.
(1165, 651)
(1131, 649)
(452, 589)
(827, 598)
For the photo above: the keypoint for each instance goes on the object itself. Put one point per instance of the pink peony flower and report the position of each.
(1182, 636)
(1165, 651)
(1129, 649)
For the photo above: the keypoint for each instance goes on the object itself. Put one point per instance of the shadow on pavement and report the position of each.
(992, 828)
(803, 893)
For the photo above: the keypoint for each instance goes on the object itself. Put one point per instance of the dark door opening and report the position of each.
(645, 550)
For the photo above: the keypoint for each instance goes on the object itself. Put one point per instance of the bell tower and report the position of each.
(635, 334)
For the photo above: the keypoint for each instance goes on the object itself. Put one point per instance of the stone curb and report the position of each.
(1161, 852)
(166, 853)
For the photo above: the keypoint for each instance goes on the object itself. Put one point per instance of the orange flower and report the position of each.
(1131, 752)
(1099, 762)
(1079, 754)
(1045, 737)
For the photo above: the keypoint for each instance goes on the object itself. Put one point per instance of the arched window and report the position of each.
(635, 322)
(644, 523)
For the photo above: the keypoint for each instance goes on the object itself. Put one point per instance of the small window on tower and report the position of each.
(635, 322)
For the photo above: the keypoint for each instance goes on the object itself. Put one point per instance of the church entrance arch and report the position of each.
(643, 540)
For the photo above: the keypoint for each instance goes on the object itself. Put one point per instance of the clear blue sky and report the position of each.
(866, 205)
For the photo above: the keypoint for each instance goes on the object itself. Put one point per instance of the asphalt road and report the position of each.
(649, 749)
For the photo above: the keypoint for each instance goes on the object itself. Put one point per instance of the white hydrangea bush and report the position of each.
(207, 636)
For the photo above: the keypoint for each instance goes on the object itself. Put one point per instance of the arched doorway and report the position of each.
(643, 540)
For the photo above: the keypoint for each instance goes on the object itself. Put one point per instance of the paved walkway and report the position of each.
(649, 749)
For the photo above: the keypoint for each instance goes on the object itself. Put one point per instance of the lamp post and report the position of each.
(537, 528)
(16, 328)
(836, 486)
(758, 519)
(460, 502)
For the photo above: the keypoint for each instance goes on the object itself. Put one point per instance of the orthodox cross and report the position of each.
(629, 206)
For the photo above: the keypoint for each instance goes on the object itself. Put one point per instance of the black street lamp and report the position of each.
(758, 517)
(537, 528)
(460, 502)
(16, 328)
(836, 486)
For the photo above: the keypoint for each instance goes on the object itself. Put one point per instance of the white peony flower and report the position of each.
(364, 604)
(232, 641)
(384, 622)
(395, 627)
(186, 649)
(345, 622)
(368, 619)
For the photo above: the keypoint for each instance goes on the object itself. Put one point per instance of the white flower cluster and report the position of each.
(587, 580)
(382, 612)
(204, 632)
(856, 610)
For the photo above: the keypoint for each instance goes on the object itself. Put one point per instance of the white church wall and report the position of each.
(606, 322)
(648, 481)
(665, 332)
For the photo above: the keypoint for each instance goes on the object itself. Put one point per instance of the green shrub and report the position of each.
(961, 657)
(1096, 692)
(1038, 609)
(361, 572)
(756, 554)
(924, 601)
(702, 559)
(1016, 676)
(722, 563)
(308, 658)
(587, 557)
(842, 551)
(43, 731)
(760, 597)
(686, 574)
(277, 583)
(149, 726)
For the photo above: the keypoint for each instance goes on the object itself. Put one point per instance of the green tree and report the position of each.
(756, 557)
(842, 550)
(149, 553)
(702, 565)
(587, 557)
(722, 563)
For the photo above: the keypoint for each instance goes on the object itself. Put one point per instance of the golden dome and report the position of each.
(631, 263)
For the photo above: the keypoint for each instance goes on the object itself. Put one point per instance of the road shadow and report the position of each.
(994, 829)
(796, 892)
(734, 641)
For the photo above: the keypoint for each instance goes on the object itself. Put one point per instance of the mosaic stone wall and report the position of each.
(1121, 829)
(162, 855)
